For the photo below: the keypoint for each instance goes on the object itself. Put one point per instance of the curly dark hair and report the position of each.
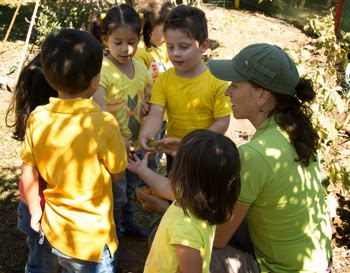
(293, 115)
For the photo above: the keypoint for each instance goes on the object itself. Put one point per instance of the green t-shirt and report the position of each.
(288, 219)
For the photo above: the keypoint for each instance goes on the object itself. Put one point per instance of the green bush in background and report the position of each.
(65, 14)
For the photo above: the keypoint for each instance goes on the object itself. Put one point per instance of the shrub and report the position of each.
(64, 14)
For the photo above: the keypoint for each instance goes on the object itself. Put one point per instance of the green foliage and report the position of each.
(65, 14)
(330, 99)
(327, 42)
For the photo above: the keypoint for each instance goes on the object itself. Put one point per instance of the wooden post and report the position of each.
(236, 4)
(11, 24)
(37, 2)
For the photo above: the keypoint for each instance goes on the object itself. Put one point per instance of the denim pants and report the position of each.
(40, 257)
(124, 196)
(73, 265)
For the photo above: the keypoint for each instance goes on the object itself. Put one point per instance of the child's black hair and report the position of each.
(190, 20)
(31, 90)
(116, 17)
(205, 176)
(154, 13)
(70, 59)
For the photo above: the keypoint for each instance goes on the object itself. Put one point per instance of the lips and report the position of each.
(178, 62)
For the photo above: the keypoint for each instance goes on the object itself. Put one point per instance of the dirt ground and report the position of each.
(229, 31)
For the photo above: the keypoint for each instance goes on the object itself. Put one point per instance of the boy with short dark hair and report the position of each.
(193, 97)
(78, 150)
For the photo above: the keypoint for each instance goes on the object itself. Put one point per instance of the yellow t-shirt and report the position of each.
(124, 97)
(191, 103)
(155, 59)
(75, 146)
(176, 228)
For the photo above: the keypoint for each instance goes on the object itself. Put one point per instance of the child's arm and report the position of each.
(145, 107)
(116, 177)
(30, 180)
(220, 125)
(155, 180)
(190, 259)
(151, 126)
(100, 97)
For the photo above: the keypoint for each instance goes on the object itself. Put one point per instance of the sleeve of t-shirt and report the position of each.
(159, 90)
(222, 104)
(143, 68)
(187, 234)
(142, 56)
(115, 157)
(27, 152)
(104, 76)
(255, 174)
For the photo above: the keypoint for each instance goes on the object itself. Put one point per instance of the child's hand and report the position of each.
(130, 150)
(145, 107)
(136, 165)
(168, 146)
(35, 222)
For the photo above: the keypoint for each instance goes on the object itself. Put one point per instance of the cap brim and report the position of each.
(224, 70)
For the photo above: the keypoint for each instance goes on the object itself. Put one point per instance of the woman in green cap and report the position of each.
(281, 195)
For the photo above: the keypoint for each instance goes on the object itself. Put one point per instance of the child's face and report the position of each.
(157, 35)
(122, 44)
(184, 53)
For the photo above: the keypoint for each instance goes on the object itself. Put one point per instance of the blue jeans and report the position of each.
(40, 257)
(124, 196)
(73, 265)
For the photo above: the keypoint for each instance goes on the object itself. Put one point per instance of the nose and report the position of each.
(177, 52)
(125, 48)
(228, 91)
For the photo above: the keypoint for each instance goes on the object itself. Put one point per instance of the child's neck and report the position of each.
(196, 71)
(86, 94)
(127, 69)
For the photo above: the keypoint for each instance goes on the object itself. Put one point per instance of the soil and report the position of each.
(229, 31)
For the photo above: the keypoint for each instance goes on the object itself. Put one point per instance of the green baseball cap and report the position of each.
(266, 65)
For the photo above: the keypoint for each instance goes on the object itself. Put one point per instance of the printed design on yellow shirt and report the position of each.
(155, 69)
(133, 124)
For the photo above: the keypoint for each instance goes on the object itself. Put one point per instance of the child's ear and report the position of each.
(95, 81)
(204, 46)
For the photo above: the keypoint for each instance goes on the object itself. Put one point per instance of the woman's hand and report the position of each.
(168, 146)
(151, 203)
